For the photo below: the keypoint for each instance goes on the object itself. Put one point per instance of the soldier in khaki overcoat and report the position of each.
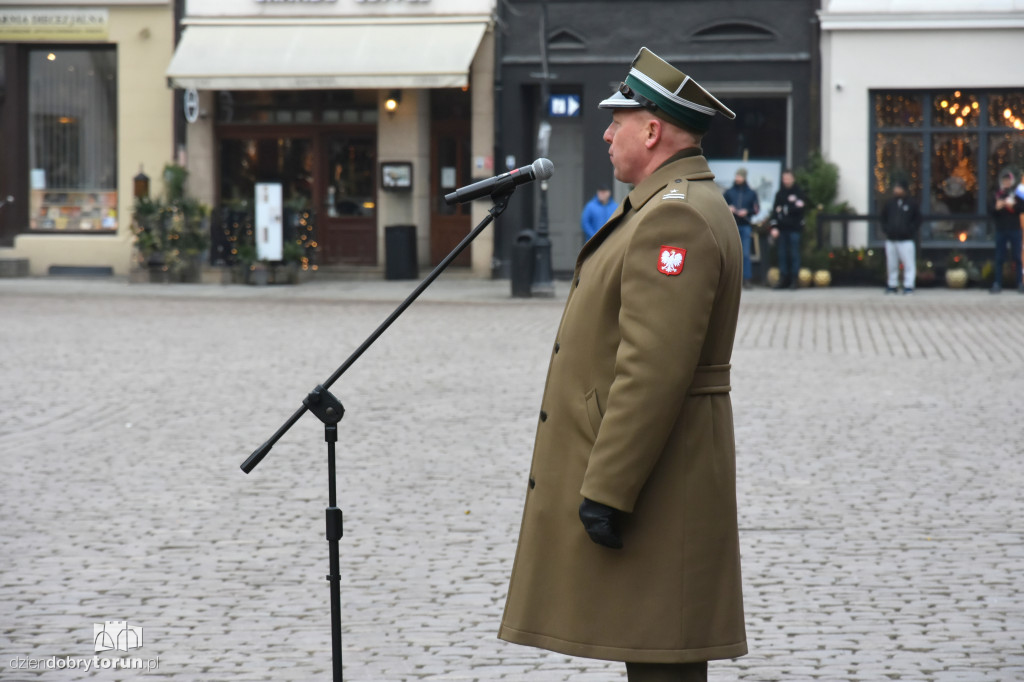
(629, 547)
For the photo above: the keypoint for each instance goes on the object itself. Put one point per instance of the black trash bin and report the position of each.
(400, 252)
(522, 264)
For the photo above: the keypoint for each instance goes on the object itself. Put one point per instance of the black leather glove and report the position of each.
(601, 523)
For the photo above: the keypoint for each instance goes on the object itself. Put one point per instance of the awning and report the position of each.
(283, 56)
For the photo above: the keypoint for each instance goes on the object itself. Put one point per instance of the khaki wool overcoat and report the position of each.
(636, 414)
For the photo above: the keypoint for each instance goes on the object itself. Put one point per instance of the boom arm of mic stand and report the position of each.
(500, 197)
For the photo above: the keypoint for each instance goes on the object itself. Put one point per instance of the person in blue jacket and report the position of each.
(743, 203)
(597, 212)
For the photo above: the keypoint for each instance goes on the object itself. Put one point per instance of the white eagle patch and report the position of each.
(671, 259)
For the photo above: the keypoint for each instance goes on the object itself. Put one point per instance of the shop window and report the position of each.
(1007, 110)
(269, 107)
(955, 109)
(949, 146)
(72, 130)
(954, 177)
(899, 110)
(351, 178)
(245, 162)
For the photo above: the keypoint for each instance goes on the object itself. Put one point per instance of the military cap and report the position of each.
(667, 92)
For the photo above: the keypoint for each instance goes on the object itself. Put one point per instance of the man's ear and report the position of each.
(653, 131)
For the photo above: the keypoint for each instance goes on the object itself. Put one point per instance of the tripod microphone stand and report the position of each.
(329, 410)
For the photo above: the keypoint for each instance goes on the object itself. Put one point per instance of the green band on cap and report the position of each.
(675, 113)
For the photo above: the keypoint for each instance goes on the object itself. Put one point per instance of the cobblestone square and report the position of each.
(879, 455)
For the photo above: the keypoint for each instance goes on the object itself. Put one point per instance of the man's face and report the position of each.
(898, 191)
(603, 195)
(626, 137)
(1006, 181)
(788, 180)
(740, 179)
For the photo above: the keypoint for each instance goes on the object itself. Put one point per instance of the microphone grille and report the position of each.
(543, 169)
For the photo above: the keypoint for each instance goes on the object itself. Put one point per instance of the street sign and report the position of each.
(191, 105)
(564, 105)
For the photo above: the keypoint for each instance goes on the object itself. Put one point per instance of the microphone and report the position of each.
(541, 169)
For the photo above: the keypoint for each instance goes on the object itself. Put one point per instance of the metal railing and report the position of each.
(937, 231)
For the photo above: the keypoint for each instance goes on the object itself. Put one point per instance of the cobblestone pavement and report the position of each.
(880, 477)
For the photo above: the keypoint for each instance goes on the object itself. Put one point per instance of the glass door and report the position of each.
(347, 198)
(450, 169)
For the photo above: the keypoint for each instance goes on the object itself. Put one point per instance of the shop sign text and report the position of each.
(53, 24)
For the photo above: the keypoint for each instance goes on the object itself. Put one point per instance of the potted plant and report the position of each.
(172, 232)
(293, 253)
(956, 270)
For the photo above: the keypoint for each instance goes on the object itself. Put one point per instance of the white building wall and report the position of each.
(905, 44)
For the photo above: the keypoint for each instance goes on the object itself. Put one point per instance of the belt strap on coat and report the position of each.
(710, 379)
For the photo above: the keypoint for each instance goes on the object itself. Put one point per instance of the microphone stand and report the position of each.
(329, 410)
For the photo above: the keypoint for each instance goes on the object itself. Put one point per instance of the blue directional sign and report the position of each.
(564, 105)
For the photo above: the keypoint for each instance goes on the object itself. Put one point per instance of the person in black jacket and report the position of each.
(1006, 210)
(900, 220)
(787, 228)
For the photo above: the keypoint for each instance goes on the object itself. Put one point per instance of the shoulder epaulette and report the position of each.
(676, 190)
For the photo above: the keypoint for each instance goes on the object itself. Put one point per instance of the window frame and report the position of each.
(929, 130)
(115, 190)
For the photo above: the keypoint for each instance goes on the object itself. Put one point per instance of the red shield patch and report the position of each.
(670, 260)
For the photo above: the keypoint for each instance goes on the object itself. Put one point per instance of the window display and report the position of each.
(72, 112)
(72, 210)
(949, 146)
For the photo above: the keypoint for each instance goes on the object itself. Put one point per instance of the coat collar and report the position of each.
(687, 163)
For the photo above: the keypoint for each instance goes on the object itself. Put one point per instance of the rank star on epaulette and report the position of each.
(670, 260)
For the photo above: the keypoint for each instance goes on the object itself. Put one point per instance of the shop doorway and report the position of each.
(330, 172)
(449, 169)
(346, 192)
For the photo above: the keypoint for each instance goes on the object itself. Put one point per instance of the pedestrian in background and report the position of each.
(1008, 213)
(900, 220)
(787, 223)
(744, 205)
(629, 544)
(597, 212)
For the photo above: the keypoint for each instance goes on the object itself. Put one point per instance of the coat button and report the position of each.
(543, 416)
(533, 483)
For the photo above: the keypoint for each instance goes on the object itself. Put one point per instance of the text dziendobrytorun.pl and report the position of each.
(86, 664)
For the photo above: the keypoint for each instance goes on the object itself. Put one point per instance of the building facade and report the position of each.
(759, 58)
(365, 113)
(928, 93)
(83, 105)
